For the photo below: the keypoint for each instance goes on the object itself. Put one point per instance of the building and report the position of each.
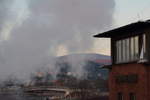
(129, 75)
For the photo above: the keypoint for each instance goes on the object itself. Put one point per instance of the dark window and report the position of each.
(132, 96)
(130, 49)
(132, 78)
(120, 96)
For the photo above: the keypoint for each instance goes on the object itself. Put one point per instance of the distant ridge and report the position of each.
(93, 62)
(98, 58)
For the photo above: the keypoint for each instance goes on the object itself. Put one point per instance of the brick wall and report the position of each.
(140, 88)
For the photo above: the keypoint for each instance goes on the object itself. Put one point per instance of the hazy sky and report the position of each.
(34, 30)
(126, 11)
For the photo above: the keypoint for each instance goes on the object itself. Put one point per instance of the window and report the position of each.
(130, 49)
(136, 46)
(119, 49)
(132, 96)
(120, 96)
(131, 78)
(143, 47)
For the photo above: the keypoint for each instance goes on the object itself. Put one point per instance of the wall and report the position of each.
(140, 88)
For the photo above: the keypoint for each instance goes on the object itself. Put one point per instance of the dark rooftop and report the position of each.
(125, 29)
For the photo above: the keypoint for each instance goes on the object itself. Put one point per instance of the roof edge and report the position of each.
(108, 34)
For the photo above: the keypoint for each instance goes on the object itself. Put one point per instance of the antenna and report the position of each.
(139, 17)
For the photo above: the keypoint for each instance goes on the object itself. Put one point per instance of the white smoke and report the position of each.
(34, 30)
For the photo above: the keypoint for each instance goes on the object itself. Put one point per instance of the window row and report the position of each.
(130, 49)
(132, 96)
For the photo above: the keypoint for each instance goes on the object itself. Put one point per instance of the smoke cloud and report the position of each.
(34, 30)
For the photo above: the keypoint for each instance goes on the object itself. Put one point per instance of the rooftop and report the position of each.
(125, 29)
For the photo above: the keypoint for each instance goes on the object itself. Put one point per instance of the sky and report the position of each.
(125, 12)
(31, 31)
(128, 11)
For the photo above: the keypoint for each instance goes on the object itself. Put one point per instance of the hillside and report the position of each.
(90, 63)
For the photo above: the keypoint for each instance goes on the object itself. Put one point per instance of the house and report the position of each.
(129, 73)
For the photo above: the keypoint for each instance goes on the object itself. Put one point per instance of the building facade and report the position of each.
(129, 76)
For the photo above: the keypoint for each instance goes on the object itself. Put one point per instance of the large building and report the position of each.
(129, 76)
